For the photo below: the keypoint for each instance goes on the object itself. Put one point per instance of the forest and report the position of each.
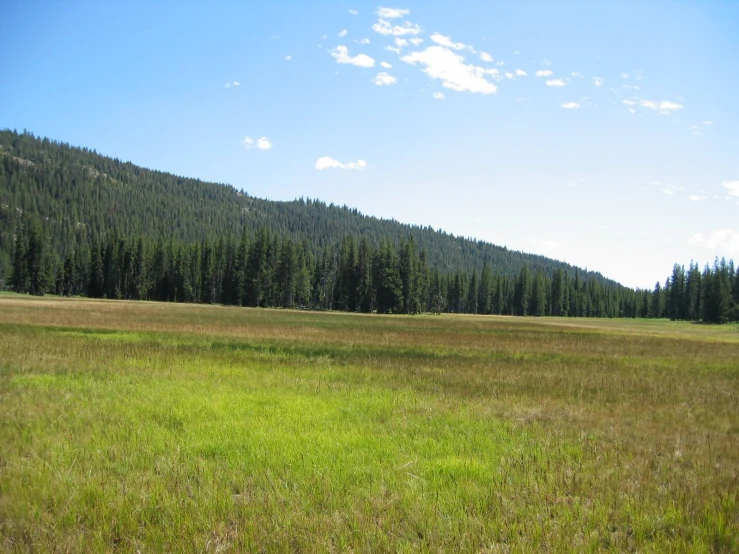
(73, 222)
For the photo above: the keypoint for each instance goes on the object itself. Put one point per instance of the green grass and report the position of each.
(154, 427)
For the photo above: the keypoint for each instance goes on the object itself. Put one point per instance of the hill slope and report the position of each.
(81, 196)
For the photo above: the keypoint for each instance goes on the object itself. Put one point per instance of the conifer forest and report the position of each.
(76, 223)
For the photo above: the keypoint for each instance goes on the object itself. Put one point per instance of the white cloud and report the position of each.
(353, 12)
(262, 143)
(631, 87)
(664, 107)
(725, 240)
(570, 105)
(328, 162)
(447, 41)
(509, 75)
(343, 33)
(576, 74)
(442, 63)
(484, 56)
(385, 65)
(232, 84)
(415, 41)
(288, 58)
(501, 63)
(556, 83)
(341, 53)
(624, 75)
(544, 73)
(598, 81)
(364, 41)
(383, 78)
(521, 73)
(696, 198)
(708, 123)
(384, 27)
(732, 187)
(439, 96)
(391, 13)
(544, 246)
(546, 63)
(394, 49)
(401, 42)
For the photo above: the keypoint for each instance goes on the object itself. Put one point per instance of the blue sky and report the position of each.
(602, 133)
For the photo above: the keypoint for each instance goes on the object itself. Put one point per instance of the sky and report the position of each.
(605, 134)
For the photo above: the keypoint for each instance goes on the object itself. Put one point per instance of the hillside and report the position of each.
(81, 196)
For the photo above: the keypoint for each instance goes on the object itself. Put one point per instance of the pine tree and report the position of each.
(539, 295)
(20, 267)
(386, 280)
(35, 260)
(522, 297)
(471, 307)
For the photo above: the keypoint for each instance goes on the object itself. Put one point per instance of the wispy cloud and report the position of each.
(415, 41)
(385, 27)
(341, 53)
(441, 40)
(363, 41)
(288, 58)
(392, 13)
(664, 107)
(570, 105)
(557, 83)
(343, 33)
(724, 240)
(576, 74)
(598, 81)
(438, 96)
(441, 63)
(232, 84)
(384, 78)
(668, 190)
(484, 56)
(631, 87)
(544, 246)
(696, 198)
(353, 12)
(262, 143)
(624, 75)
(521, 73)
(328, 162)
(544, 73)
(385, 65)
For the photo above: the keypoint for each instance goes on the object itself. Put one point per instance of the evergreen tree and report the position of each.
(539, 295)
(386, 280)
(20, 268)
(522, 297)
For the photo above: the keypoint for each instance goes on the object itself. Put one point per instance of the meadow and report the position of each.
(140, 427)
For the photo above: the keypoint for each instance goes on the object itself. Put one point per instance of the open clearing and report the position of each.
(134, 426)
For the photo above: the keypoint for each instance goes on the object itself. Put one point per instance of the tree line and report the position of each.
(266, 269)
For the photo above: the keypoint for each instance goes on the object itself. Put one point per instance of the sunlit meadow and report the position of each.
(141, 427)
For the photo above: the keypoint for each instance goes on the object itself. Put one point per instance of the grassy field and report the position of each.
(141, 427)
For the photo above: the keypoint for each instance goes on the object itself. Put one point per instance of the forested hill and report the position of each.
(81, 196)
